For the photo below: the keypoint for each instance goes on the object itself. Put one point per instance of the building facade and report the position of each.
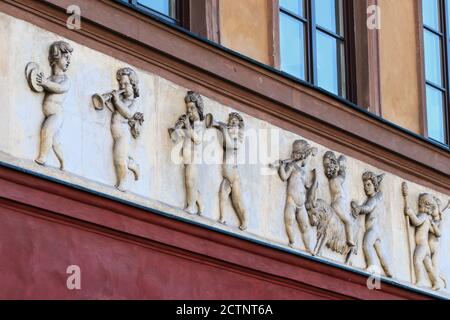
(222, 149)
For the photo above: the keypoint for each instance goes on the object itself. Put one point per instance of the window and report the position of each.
(313, 42)
(166, 9)
(436, 38)
(201, 17)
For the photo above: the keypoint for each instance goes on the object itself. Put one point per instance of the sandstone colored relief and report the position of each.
(188, 130)
(293, 171)
(55, 88)
(336, 222)
(427, 232)
(230, 187)
(337, 228)
(373, 210)
(126, 122)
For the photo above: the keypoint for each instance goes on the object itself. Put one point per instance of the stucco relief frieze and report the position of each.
(373, 209)
(426, 222)
(293, 171)
(188, 131)
(230, 187)
(55, 88)
(126, 122)
(304, 202)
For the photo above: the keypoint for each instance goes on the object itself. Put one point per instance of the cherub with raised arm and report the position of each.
(293, 171)
(335, 170)
(55, 87)
(373, 209)
(233, 138)
(438, 211)
(125, 123)
(188, 129)
(424, 226)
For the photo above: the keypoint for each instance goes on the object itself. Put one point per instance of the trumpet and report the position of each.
(279, 163)
(102, 100)
(309, 152)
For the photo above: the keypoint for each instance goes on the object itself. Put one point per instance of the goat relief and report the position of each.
(336, 227)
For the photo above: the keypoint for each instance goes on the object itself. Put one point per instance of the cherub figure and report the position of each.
(293, 171)
(424, 226)
(438, 211)
(335, 170)
(233, 138)
(125, 122)
(55, 87)
(373, 209)
(188, 129)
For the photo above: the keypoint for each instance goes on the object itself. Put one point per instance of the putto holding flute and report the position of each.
(125, 122)
(292, 170)
(233, 139)
(188, 129)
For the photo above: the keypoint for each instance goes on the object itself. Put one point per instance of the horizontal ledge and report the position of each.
(14, 171)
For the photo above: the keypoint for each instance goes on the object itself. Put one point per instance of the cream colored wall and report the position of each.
(399, 77)
(244, 27)
(87, 145)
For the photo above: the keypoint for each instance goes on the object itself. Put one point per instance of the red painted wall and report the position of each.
(130, 253)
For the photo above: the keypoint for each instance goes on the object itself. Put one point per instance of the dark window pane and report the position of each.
(162, 6)
(430, 9)
(435, 114)
(292, 44)
(329, 62)
(295, 6)
(327, 13)
(433, 58)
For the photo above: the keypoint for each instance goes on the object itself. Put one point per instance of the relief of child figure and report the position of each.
(373, 209)
(435, 236)
(424, 227)
(56, 87)
(125, 124)
(188, 129)
(293, 171)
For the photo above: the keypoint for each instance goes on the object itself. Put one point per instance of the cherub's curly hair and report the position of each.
(133, 79)
(197, 99)
(56, 51)
(376, 180)
(237, 116)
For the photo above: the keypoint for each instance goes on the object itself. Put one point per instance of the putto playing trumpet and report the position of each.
(233, 138)
(101, 101)
(296, 156)
(125, 122)
(188, 129)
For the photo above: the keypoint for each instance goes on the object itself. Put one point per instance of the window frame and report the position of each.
(180, 11)
(444, 35)
(199, 17)
(346, 74)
